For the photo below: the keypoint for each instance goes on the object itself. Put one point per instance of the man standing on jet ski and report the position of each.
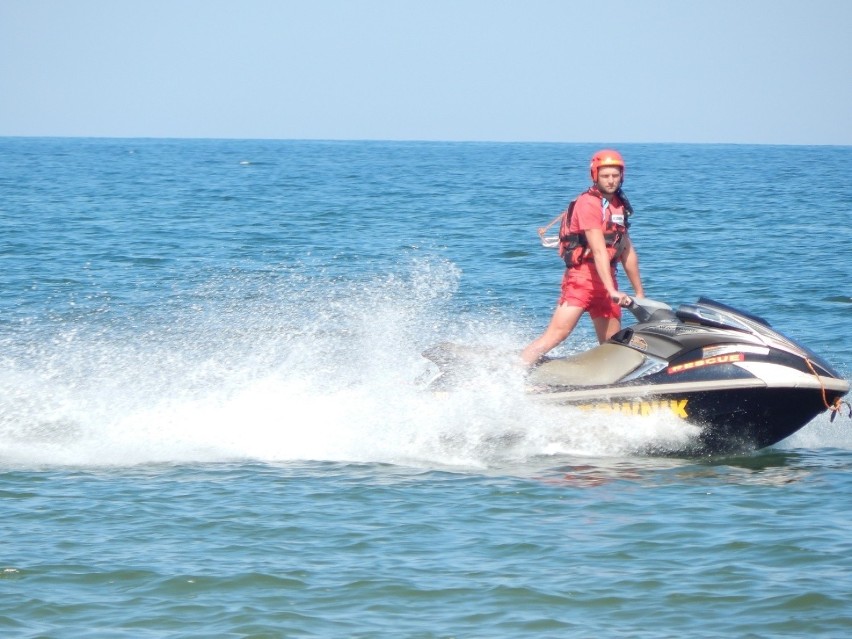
(593, 239)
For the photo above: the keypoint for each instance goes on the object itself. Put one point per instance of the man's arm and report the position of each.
(630, 260)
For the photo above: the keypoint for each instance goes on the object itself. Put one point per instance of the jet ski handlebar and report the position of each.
(645, 309)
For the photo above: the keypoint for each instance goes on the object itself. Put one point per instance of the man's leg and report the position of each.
(564, 320)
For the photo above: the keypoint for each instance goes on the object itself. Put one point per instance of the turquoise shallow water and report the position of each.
(209, 425)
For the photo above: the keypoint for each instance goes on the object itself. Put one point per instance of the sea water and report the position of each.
(211, 423)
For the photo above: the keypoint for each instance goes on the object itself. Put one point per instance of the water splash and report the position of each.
(280, 366)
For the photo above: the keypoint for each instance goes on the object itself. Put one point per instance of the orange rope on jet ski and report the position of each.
(838, 404)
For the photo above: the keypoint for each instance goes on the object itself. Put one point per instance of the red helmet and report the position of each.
(606, 157)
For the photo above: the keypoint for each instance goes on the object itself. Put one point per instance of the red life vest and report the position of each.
(573, 247)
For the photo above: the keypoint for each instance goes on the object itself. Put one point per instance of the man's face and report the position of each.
(609, 179)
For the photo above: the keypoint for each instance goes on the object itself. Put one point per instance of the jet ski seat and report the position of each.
(604, 364)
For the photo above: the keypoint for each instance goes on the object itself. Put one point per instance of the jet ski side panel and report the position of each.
(745, 415)
(744, 419)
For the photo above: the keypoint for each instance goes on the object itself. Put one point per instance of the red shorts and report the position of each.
(582, 289)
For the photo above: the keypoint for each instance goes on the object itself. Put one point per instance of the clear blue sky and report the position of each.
(750, 71)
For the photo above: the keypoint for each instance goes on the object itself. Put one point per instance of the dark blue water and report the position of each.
(209, 424)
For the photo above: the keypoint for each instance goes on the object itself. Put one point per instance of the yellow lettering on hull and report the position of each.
(676, 406)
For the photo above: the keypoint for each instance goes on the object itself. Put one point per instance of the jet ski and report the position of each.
(746, 385)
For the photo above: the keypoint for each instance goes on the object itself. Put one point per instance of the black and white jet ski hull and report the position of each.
(728, 372)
